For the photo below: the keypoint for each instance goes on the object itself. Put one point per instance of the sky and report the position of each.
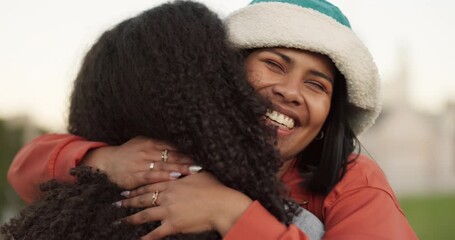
(42, 44)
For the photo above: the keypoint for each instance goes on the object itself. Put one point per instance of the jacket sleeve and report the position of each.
(46, 157)
(256, 223)
(366, 213)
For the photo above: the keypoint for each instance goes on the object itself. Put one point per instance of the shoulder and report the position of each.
(363, 176)
(362, 171)
(363, 204)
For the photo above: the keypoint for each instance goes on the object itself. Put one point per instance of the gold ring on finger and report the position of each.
(155, 198)
(164, 156)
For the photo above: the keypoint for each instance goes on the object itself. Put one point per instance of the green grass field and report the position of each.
(432, 217)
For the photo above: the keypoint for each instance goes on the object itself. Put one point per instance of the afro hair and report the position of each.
(168, 74)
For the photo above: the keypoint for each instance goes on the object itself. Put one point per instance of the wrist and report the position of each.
(94, 158)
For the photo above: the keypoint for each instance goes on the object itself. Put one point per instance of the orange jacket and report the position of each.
(361, 206)
(44, 158)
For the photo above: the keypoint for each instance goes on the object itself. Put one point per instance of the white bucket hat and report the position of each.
(317, 26)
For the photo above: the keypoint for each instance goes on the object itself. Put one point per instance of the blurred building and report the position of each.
(416, 150)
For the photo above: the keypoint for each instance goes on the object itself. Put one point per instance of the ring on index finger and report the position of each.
(164, 156)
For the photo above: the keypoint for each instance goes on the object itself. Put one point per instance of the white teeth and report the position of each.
(280, 118)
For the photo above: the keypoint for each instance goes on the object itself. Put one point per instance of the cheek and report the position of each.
(319, 110)
(254, 78)
(258, 81)
(255, 74)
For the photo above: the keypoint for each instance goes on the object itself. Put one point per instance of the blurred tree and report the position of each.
(13, 134)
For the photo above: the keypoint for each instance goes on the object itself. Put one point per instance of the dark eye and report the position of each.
(274, 65)
(316, 85)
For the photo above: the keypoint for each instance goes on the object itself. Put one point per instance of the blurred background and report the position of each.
(42, 44)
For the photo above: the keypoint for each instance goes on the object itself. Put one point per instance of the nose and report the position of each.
(289, 91)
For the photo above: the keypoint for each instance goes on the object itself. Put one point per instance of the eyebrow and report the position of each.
(283, 56)
(288, 60)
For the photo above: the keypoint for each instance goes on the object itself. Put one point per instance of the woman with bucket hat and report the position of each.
(324, 88)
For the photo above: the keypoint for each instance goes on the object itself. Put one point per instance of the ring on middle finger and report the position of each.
(155, 198)
(164, 156)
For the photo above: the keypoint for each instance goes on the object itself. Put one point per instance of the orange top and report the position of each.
(44, 158)
(361, 206)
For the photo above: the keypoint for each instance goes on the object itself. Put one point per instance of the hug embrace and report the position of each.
(185, 126)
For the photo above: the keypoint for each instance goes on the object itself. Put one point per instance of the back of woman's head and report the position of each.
(145, 75)
(169, 74)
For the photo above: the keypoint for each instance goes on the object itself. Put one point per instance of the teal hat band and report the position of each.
(321, 6)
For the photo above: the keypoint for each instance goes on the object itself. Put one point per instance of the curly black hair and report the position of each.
(169, 74)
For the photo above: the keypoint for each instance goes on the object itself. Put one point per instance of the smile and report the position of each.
(280, 119)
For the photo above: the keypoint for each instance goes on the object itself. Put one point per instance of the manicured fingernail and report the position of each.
(125, 193)
(175, 175)
(118, 204)
(195, 168)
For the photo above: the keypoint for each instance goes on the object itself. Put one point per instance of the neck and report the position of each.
(286, 166)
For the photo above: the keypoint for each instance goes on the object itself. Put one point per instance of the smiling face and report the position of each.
(299, 84)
